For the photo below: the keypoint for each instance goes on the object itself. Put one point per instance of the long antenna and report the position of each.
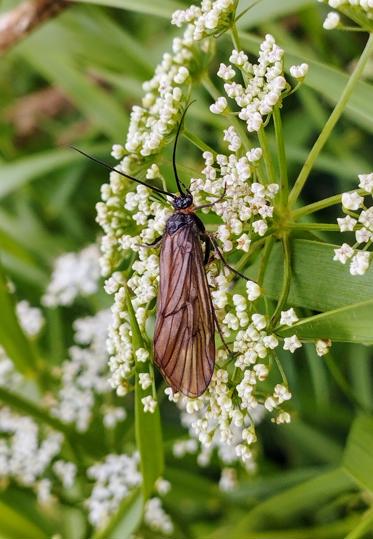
(112, 169)
(178, 181)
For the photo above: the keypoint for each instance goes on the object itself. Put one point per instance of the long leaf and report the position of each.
(318, 283)
(352, 323)
(15, 174)
(358, 457)
(126, 520)
(159, 8)
(266, 10)
(147, 425)
(294, 502)
(12, 338)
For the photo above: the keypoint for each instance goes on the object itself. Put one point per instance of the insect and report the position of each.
(184, 337)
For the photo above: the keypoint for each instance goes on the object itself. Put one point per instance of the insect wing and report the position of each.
(184, 347)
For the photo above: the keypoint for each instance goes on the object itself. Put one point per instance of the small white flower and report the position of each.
(226, 72)
(244, 242)
(288, 318)
(352, 200)
(322, 346)
(343, 253)
(149, 404)
(253, 290)
(283, 417)
(145, 380)
(292, 343)
(299, 71)
(260, 227)
(219, 106)
(142, 355)
(259, 321)
(366, 182)
(270, 404)
(332, 21)
(162, 486)
(254, 155)
(281, 393)
(363, 235)
(172, 397)
(228, 480)
(360, 263)
(117, 151)
(346, 224)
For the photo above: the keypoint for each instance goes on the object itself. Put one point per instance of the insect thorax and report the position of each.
(178, 220)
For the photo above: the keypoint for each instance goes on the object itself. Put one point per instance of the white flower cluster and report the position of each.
(26, 453)
(73, 274)
(264, 83)
(156, 518)
(151, 124)
(114, 480)
(359, 219)
(150, 218)
(247, 205)
(210, 17)
(351, 8)
(30, 318)
(84, 374)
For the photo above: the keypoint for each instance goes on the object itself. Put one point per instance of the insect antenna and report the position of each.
(179, 183)
(112, 169)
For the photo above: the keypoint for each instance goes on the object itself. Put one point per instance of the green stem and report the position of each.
(365, 525)
(263, 141)
(313, 226)
(199, 143)
(285, 283)
(263, 262)
(330, 124)
(320, 205)
(281, 154)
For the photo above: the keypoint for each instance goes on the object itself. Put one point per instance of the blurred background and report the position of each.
(73, 81)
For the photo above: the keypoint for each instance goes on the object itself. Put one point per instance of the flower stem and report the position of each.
(281, 154)
(313, 226)
(265, 256)
(330, 124)
(286, 281)
(320, 205)
(263, 141)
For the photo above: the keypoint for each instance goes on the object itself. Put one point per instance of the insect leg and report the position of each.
(208, 246)
(154, 243)
(215, 201)
(220, 332)
(221, 256)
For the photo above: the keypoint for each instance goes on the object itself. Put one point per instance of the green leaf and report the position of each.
(12, 338)
(331, 530)
(346, 324)
(328, 82)
(14, 175)
(147, 425)
(266, 10)
(159, 8)
(318, 282)
(14, 525)
(294, 502)
(358, 457)
(126, 520)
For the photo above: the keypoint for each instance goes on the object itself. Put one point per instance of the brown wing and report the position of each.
(184, 347)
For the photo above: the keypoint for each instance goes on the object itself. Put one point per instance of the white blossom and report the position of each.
(149, 404)
(352, 200)
(288, 318)
(299, 71)
(73, 274)
(332, 21)
(322, 346)
(292, 343)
